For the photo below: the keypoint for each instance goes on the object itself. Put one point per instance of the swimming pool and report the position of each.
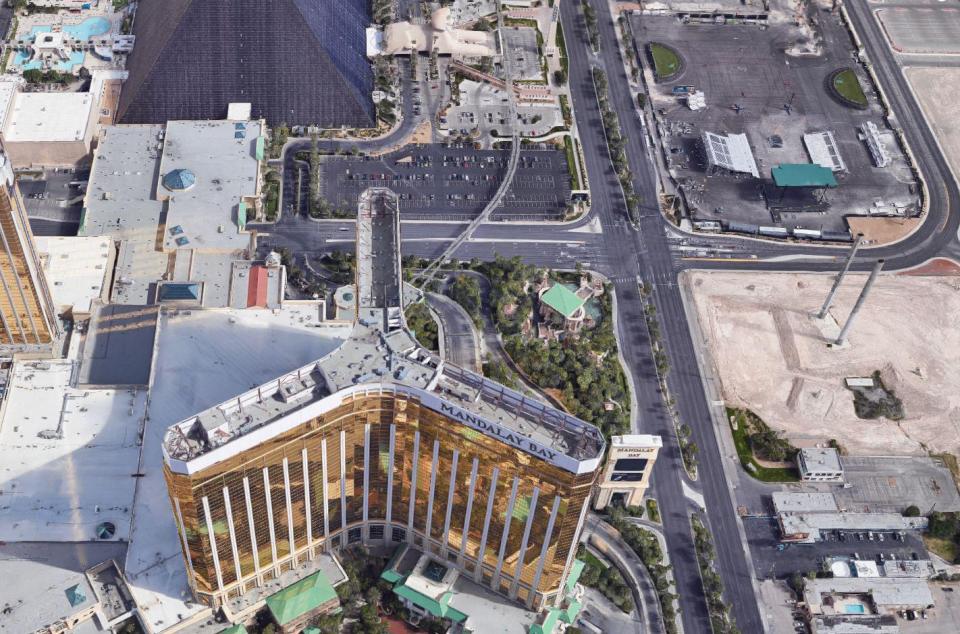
(91, 27)
(854, 608)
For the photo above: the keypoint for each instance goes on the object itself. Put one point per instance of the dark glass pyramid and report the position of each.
(301, 62)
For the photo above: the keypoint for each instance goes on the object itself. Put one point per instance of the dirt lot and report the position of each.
(771, 356)
(938, 90)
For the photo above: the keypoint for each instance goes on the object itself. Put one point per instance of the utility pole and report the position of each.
(836, 282)
(863, 296)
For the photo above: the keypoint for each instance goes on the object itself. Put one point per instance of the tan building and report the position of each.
(28, 322)
(381, 443)
(627, 472)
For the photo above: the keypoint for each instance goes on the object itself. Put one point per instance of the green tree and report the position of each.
(912, 511)
(465, 290)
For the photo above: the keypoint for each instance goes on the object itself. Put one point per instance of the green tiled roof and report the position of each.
(803, 175)
(235, 629)
(549, 623)
(298, 599)
(391, 576)
(569, 614)
(575, 570)
(440, 609)
(562, 299)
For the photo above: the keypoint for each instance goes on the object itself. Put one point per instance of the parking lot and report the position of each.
(754, 86)
(441, 183)
(525, 62)
(54, 202)
(763, 536)
(888, 484)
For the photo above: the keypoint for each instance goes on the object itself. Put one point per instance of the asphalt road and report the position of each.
(607, 540)
(460, 339)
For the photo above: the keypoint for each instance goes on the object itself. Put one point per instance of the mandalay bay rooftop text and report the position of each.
(382, 442)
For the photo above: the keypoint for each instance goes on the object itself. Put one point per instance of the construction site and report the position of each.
(771, 355)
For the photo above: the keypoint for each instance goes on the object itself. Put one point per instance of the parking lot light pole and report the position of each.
(863, 296)
(843, 272)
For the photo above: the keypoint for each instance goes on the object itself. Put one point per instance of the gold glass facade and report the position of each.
(26, 315)
(381, 467)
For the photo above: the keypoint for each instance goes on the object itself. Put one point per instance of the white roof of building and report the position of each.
(886, 592)
(119, 201)
(49, 117)
(866, 568)
(39, 597)
(731, 152)
(823, 150)
(794, 523)
(67, 455)
(75, 268)
(239, 111)
(9, 85)
(636, 440)
(222, 157)
(821, 459)
(790, 502)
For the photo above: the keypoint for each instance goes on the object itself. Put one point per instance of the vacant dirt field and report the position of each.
(938, 90)
(772, 357)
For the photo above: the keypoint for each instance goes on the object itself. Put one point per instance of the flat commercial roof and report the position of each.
(119, 346)
(221, 155)
(119, 201)
(44, 591)
(803, 175)
(813, 523)
(789, 502)
(49, 117)
(821, 459)
(886, 592)
(75, 268)
(68, 455)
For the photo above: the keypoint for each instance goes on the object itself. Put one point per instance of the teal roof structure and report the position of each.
(179, 179)
(803, 175)
(75, 595)
(549, 623)
(575, 571)
(184, 291)
(563, 300)
(440, 609)
(296, 600)
(239, 628)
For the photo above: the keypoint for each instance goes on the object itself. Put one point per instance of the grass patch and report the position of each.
(592, 560)
(944, 548)
(666, 62)
(565, 110)
(521, 22)
(571, 164)
(746, 423)
(847, 85)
